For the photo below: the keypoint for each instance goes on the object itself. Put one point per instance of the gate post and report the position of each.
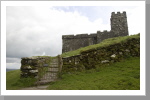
(59, 65)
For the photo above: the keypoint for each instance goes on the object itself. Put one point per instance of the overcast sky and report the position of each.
(37, 31)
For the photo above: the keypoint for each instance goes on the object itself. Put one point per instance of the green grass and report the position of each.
(123, 75)
(13, 81)
(118, 76)
(11, 78)
(104, 43)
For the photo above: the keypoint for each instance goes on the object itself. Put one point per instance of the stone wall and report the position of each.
(73, 42)
(104, 35)
(119, 27)
(103, 55)
(119, 24)
(30, 65)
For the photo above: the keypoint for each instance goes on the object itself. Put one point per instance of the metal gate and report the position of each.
(49, 72)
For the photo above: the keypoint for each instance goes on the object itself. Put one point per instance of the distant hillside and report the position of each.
(10, 69)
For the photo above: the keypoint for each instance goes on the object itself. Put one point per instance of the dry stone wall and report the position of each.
(103, 55)
(30, 65)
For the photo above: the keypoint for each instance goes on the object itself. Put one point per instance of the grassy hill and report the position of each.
(13, 81)
(11, 78)
(124, 75)
(104, 43)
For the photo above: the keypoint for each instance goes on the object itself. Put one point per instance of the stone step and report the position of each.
(49, 78)
(44, 82)
(46, 77)
(54, 63)
(53, 67)
(52, 71)
(49, 75)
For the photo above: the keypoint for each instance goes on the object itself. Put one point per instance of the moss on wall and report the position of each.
(31, 66)
(106, 54)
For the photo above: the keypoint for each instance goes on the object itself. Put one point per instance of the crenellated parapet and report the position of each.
(67, 36)
(119, 24)
(123, 14)
(79, 36)
(73, 42)
(101, 35)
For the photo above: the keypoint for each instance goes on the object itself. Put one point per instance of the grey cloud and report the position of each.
(34, 31)
(12, 60)
(29, 35)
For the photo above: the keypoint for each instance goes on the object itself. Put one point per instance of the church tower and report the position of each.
(119, 26)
